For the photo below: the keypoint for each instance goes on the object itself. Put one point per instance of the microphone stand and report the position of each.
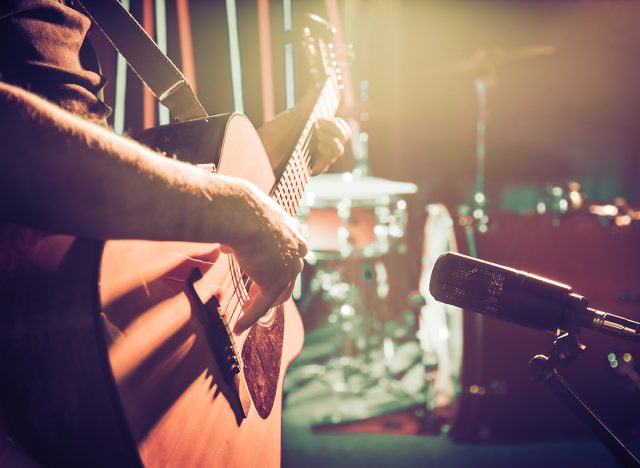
(566, 349)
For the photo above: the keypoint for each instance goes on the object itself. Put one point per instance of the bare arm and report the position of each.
(62, 174)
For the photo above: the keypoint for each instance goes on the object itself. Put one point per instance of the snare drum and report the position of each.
(358, 217)
(482, 363)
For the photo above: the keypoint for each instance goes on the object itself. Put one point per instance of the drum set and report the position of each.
(369, 351)
(350, 289)
(368, 355)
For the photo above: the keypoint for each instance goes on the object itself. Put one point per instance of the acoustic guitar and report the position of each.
(119, 353)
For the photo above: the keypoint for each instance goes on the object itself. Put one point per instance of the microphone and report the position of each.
(520, 297)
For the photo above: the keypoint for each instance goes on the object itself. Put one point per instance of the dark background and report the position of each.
(572, 115)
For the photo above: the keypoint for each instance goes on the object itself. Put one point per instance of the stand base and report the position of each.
(542, 369)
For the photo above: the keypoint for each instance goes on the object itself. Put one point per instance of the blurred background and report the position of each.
(567, 113)
(507, 130)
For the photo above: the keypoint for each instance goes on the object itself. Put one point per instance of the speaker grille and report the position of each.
(457, 281)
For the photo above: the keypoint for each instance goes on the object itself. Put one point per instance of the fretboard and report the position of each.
(291, 184)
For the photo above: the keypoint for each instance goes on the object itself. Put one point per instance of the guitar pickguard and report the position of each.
(261, 356)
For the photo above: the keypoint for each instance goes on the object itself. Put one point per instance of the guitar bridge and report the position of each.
(220, 341)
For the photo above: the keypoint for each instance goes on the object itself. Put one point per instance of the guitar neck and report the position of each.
(293, 180)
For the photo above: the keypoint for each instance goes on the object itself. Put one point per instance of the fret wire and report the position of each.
(297, 174)
(301, 179)
(297, 171)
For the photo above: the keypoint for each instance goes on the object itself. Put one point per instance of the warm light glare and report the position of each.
(161, 39)
(234, 56)
(119, 106)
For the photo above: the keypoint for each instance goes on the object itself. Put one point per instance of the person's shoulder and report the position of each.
(10, 8)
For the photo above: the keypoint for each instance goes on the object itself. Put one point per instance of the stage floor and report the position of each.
(304, 448)
(390, 441)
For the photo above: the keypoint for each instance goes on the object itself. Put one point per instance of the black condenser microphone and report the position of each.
(520, 297)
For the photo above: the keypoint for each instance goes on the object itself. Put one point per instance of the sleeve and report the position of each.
(44, 39)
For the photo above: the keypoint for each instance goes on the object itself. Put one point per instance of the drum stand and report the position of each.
(367, 219)
(566, 349)
(366, 351)
(358, 381)
(343, 371)
(347, 372)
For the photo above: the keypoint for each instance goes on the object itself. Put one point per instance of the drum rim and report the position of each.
(368, 202)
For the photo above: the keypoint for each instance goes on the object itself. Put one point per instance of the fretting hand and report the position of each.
(330, 137)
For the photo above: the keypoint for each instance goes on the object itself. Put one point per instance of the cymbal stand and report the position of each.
(566, 349)
(361, 137)
(347, 372)
(479, 197)
(342, 370)
(353, 280)
(382, 349)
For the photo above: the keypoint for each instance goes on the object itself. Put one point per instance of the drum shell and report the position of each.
(323, 224)
(601, 261)
(348, 216)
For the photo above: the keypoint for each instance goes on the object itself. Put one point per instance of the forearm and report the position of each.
(62, 174)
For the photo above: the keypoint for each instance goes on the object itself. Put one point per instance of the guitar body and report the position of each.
(166, 374)
(57, 396)
(106, 350)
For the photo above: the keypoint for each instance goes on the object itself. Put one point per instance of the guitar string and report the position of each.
(299, 162)
(239, 291)
(278, 196)
(301, 173)
(299, 183)
(296, 170)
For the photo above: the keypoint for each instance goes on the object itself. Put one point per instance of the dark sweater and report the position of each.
(43, 48)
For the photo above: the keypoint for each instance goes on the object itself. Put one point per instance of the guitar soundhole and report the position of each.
(261, 356)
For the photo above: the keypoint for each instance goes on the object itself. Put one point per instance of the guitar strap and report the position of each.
(145, 58)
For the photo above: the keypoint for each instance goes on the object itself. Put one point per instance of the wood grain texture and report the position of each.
(176, 401)
(57, 393)
(148, 392)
